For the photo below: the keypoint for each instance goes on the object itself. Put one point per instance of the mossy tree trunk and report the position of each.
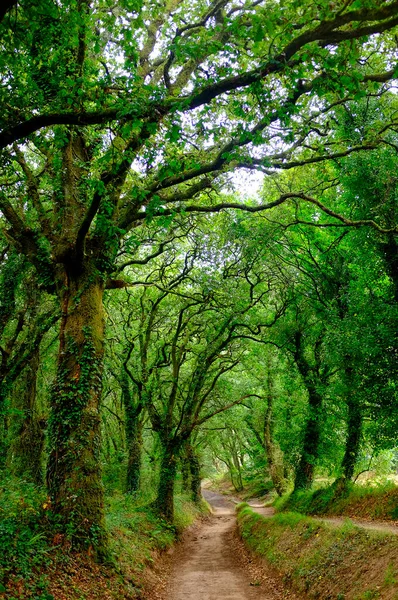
(25, 457)
(196, 479)
(353, 441)
(74, 474)
(11, 273)
(273, 451)
(354, 431)
(190, 469)
(310, 452)
(185, 472)
(134, 418)
(134, 449)
(312, 429)
(164, 503)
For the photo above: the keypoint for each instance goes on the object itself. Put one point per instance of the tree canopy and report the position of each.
(126, 129)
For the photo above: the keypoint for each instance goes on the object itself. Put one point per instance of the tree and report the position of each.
(26, 435)
(26, 315)
(129, 113)
(7, 6)
(344, 307)
(198, 302)
(134, 413)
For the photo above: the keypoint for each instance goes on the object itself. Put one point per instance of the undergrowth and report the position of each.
(254, 485)
(370, 502)
(24, 539)
(137, 535)
(326, 562)
(37, 562)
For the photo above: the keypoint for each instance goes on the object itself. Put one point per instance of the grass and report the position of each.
(323, 561)
(368, 502)
(254, 485)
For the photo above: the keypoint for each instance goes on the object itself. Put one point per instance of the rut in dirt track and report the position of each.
(209, 566)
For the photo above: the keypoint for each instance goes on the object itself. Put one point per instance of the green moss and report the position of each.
(368, 595)
(391, 576)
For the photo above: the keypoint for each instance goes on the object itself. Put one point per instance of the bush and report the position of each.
(24, 538)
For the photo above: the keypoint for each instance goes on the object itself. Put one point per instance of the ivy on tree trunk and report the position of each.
(74, 473)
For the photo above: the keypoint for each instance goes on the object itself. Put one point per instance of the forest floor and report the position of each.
(213, 564)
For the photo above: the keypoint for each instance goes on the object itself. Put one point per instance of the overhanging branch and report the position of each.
(380, 19)
(263, 207)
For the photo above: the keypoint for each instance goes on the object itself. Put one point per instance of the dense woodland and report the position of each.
(199, 255)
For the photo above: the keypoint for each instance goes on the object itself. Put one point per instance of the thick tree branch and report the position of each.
(266, 162)
(222, 409)
(262, 207)
(326, 32)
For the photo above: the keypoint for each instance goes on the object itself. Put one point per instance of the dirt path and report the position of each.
(212, 563)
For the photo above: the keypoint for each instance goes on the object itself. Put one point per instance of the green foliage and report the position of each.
(31, 547)
(308, 502)
(390, 576)
(362, 501)
(313, 556)
(25, 547)
(136, 532)
(121, 122)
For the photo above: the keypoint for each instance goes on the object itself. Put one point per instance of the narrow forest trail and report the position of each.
(212, 564)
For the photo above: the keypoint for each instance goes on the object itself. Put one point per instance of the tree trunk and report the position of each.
(234, 466)
(312, 432)
(305, 470)
(195, 480)
(164, 503)
(74, 473)
(25, 457)
(273, 451)
(185, 472)
(134, 449)
(353, 440)
(354, 432)
(134, 425)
